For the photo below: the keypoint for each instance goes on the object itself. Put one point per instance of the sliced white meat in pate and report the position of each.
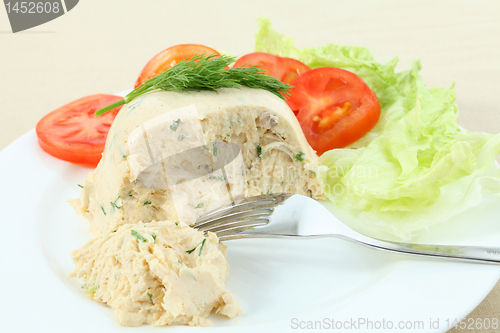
(129, 184)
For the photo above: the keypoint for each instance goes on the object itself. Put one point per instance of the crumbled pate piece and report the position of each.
(160, 273)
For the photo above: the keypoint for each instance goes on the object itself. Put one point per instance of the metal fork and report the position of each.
(280, 216)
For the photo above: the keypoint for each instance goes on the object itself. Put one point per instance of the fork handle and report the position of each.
(478, 254)
(490, 255)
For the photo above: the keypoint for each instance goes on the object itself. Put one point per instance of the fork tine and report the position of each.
(239, 207)
(244, 215)
(238, 226)
(256, 202)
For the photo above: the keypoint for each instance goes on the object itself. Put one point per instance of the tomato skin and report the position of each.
(334, 107)
(72, 132)
(284, 69)
(270, 63)
(169, 57)
(293, 69)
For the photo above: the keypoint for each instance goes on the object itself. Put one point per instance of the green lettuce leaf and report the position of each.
(417, 167)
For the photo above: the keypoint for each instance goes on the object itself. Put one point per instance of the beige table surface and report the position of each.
(101, 46)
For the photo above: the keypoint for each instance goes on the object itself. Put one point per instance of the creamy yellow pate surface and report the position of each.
(276, 155)
(158, 273)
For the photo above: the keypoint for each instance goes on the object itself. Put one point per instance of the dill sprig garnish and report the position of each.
(202, 72)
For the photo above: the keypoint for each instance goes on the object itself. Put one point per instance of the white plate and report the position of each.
(275, 281)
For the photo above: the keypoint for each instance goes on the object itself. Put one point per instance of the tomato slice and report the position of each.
(169, 58)
(268, 62)
(284, 69)
(334, 107)
(292, 69)
(72, 132)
